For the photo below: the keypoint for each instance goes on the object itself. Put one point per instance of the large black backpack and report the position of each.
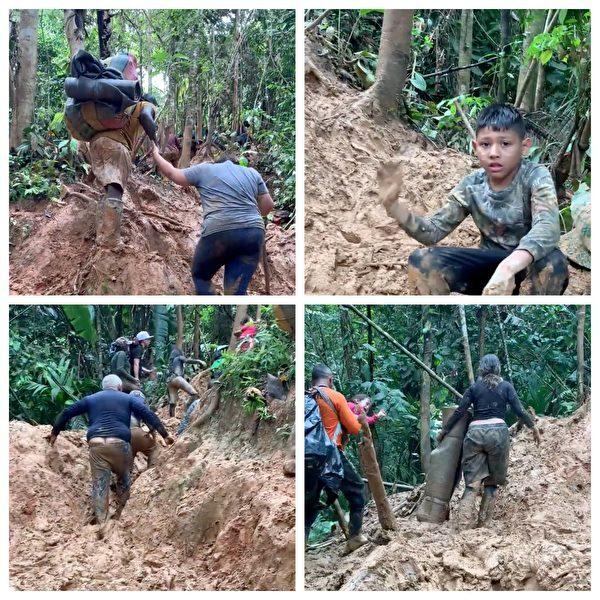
(320, 452)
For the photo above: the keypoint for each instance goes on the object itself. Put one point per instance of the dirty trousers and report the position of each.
(179, 383)
(107, 456)
(144, 442)
(441, 270)
(485, 454)
(354, 491)
(110, 160)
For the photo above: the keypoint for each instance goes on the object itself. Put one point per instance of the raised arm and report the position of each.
(168, 170)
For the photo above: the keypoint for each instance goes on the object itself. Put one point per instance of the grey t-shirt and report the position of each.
(228, 193)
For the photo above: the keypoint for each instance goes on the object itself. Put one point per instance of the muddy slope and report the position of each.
(352, 246)
(540, 539)
(53, 248)
(216, 513)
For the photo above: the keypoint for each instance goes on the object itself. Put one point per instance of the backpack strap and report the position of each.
(338, 429)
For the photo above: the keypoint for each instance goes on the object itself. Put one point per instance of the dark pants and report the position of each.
(238, 250)
(352, 487)
(485, 454)
(468, 270)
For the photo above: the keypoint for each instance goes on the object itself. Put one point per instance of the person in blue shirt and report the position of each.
(109, 438)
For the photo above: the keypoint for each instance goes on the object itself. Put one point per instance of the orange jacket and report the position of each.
(347, 419)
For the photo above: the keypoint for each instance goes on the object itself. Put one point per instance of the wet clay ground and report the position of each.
(352, 246)
(540, 538)
(53, 248)
(216, 513)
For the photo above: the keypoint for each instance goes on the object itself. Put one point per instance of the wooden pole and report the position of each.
(404, 350)
(581, 353)
(341, 517)
(466, 345)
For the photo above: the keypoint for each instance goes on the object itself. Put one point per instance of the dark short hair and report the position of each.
(501, 117)
(321, 371)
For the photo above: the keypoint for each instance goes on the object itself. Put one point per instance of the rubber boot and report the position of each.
(108, 217)
(486, 508)
(193, 398)
(354, 543)
(467, 515)
(171, 410)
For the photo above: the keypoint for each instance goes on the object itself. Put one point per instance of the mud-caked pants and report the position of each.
(173, 386)
(442, 270)
(144, 442)
(109, 455)
(111, 164)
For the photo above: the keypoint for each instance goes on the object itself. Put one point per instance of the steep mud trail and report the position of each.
(352, 246)
(216, 513)
(53, 249)
(540, 538)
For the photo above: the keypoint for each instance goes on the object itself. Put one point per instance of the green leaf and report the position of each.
(82, 321)
(419, 82)
(545, 56)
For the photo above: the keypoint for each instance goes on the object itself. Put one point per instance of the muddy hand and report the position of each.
(50, 438)
(501, 284)
(389, 179)
(536, 436)
(169, 440)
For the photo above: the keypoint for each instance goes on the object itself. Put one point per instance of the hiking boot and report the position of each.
(354, 543)
(486, 509)
(108, 221)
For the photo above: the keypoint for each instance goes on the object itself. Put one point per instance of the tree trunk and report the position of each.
(580, 353)
(392, 64)
(196, 339)
(99, 372)
(425, 442)
(235, 99)
(370, 341)
(465, 52)
(368, 461)
(504, 42)
(504, 346)
(179, 313)
(184, 161)
(74, 20)
(23, 76)
(241, 310)
(526, 89)
(349, 347)
(466, 345)
(103, 18)
(482, 324)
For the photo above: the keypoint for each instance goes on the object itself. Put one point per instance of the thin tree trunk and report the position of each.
(370, 341)
(392, 64)
(196, 339)
(581, 353)
(425, 397)
(99, 373)
(179, 313)
(23, 75)
(465, 52)
(258, 313)
(235, 104)
(74, 20)
(103, 18)
(504, 346)
(241, 311)
(533, 28)
(370, 467)
(482, 323)
(184, 160)
(504, 42)
(466, 345)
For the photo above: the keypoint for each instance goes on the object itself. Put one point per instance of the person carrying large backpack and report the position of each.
(107, 110)
(338, 420)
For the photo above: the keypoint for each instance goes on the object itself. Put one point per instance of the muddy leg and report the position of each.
(108, 217)
(467, 513)
(547, 276)
(486, 508)
(424, 275)
(123, 471)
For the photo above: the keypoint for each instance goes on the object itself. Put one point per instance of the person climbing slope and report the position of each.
(109, 437)
(363, 403)
(141, 440)
(172, 151)
(120, 366)
(95, 85)
(233, 233)
(486, 444)
(339, 420)
(176, 380)
(246, 334)
(512, 202)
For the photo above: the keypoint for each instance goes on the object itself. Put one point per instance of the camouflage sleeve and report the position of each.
(544, 235)
(433, 228)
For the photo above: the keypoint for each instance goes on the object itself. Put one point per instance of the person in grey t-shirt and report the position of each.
(234, 200)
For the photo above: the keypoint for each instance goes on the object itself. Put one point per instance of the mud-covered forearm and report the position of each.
(125, 376)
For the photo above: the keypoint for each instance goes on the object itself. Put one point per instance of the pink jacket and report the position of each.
(371, 420)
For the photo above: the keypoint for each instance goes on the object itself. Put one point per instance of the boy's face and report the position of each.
(500, 152)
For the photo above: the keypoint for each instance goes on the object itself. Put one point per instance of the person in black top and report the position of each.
(176, 380)
(109, 439)
(136, 353)
(486, 444)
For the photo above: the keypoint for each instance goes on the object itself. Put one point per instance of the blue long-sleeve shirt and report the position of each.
(109, 413)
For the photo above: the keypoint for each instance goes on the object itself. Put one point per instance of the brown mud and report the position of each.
(216, 513)
(53, 249)
(351, 246)
(540, 537)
